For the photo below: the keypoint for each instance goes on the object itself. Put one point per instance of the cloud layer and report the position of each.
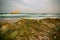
(31, 6)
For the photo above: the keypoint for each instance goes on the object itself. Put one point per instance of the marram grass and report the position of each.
(31, 29)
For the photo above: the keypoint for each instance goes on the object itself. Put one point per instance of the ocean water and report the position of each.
(11, 18)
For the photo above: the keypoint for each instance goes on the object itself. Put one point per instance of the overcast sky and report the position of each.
(30, 6)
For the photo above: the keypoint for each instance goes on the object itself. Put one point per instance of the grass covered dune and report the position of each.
(31, 29)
